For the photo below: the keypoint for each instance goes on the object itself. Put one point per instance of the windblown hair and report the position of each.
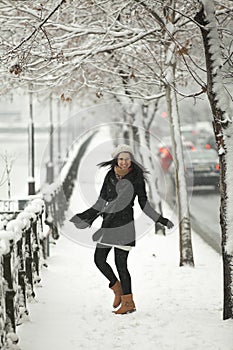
(134, 164)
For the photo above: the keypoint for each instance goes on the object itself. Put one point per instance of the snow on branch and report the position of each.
(221, 95)
(38, 27)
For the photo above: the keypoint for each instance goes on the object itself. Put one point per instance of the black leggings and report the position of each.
(121, 256)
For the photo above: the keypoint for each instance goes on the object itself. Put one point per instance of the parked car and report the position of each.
(188, 132)
(210, 143)
(201, 168)
(198, 132)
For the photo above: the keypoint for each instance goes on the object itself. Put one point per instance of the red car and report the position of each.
(165, 153)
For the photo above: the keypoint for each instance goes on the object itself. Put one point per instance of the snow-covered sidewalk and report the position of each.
(178, 308)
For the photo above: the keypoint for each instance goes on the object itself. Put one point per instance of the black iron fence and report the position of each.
(27, 227)
(22, 237)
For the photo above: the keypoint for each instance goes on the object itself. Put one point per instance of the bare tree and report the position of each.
(5, 177)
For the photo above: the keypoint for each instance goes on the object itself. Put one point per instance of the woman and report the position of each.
(124, 181)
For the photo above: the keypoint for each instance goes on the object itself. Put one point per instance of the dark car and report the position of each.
(201, 168)
(210, 143)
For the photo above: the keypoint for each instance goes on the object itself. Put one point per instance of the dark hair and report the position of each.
(135, 165)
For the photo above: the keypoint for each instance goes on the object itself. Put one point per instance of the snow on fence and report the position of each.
(22, 241)
(26, 229)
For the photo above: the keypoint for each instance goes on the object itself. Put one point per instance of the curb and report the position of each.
(211, 237)
(207, 234)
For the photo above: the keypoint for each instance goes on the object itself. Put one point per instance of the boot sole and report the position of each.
(129, 312)
(124, 313)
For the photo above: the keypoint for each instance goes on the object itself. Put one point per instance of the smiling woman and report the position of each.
(124, 160)
(124, 181)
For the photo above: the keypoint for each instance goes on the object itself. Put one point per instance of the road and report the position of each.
(204, 205)
(204, 210)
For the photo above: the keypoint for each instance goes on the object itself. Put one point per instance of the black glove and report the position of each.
(169, 224)
(97, 235)
(85, 219)
(166, 222)
(79, 223)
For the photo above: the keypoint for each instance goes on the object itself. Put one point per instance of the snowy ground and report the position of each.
(178, 308)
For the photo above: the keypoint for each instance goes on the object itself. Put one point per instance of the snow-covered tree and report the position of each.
(218, 73)
(73, 45)
(121, 45)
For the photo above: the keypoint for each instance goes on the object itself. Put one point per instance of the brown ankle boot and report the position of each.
(118, 293)
(127, 305)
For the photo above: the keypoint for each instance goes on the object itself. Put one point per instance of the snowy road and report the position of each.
(204, 207)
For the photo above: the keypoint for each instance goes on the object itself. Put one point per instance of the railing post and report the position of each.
(21, 281)
(28, 262)
(36, 251)
(9, 293)
(55, 233)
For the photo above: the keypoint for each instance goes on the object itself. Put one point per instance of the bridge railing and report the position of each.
(27, 227)
(22, 236)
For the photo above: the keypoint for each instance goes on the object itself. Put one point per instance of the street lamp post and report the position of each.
(31, 149)
(50, 165)
(59, 133)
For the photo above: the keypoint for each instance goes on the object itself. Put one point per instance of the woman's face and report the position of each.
(124, 160)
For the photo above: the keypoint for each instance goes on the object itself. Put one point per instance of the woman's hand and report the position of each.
(169, 224)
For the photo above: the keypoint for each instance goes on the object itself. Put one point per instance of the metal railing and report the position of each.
(22, 237)
(27, 227)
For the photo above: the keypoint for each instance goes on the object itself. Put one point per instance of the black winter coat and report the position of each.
(115, 204)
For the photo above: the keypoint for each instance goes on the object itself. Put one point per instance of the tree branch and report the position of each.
(35, 30)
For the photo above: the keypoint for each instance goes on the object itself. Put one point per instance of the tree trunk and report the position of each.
(144, 152)
(186, 251)
(148, 115)
(224, 138)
